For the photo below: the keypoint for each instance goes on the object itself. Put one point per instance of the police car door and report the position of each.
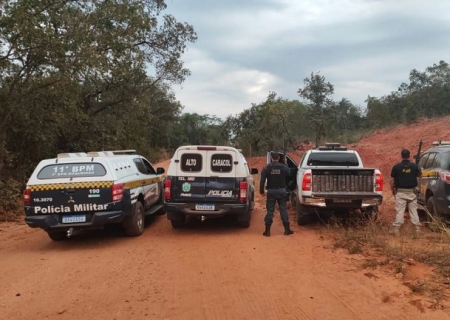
(149, 181)
(220, 182)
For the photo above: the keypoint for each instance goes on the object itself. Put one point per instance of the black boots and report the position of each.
(267, 232)
(287, 230)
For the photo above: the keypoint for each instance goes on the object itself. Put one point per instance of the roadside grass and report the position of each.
(381, 249)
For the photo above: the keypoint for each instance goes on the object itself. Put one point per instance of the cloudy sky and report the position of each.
(247, 48)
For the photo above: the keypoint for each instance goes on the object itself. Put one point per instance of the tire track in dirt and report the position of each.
(209, 270)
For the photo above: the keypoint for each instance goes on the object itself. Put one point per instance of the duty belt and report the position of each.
(405, 190)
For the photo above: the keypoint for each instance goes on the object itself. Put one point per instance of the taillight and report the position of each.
(306, 183)
(379, 183)
(27, 197)
(167, 189)
(445, 176)
(206, 148)
(242, 191)
(117, 192)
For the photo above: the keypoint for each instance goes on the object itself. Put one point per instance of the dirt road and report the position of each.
(210, 270)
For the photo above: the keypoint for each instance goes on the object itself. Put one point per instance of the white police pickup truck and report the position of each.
(90, 190)
(209, 181)
(331, 178)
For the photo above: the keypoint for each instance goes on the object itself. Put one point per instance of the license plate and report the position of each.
(342, 200)
(74, 218)
(204, 207)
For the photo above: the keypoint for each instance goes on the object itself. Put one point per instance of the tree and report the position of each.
(78, 75)
(317, 91)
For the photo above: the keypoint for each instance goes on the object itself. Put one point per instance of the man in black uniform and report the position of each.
(403, 185)
(276, 174)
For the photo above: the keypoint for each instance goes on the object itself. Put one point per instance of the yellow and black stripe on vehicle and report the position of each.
(71, 185)
(430, 174)
(142, 182)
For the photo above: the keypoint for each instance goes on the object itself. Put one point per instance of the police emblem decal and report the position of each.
(186, 187)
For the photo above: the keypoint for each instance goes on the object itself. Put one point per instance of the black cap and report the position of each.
(275, 154)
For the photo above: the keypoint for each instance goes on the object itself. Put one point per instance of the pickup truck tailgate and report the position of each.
(343, 180)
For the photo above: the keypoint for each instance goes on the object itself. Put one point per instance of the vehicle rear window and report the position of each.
(333, 159)
(221, 162)
(69, 170)
(191, 162)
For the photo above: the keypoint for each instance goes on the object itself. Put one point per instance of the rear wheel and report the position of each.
(134, 226)
(57, 235)
(180, 222)
(304, 214)
(434, 220)
(161, 201)
(243, 219)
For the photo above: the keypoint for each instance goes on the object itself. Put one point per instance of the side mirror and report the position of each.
(160, 170)
(254, 171)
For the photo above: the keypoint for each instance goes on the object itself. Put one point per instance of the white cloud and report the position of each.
(248, 48)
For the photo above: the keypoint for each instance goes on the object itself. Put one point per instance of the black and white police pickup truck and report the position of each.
(331, 178)
(91, 190)
(209, 181)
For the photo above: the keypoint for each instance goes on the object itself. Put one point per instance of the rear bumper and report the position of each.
(221, 209)
(342, 201)
(94, 220)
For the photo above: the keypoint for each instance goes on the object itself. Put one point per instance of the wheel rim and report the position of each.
(140, 220)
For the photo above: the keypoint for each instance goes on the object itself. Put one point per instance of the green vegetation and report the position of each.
(82, 75)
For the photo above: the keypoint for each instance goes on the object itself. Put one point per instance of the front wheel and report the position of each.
(134, 226)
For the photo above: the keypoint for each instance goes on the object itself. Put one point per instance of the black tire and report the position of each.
(134, 225)
(161, 201)
(243, 224)
(432, 216)
(304, 214)
(243, 219)
(179, 223)
(57, 235)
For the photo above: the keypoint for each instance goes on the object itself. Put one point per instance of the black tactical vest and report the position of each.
(276, 175)
(406, 175)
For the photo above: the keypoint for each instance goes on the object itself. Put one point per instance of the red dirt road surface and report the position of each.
(209, 270)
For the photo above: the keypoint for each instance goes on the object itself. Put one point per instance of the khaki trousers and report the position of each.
(403, 200)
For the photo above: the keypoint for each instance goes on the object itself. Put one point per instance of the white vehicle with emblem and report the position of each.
(209, 181)
(332, 179)
(90, 190)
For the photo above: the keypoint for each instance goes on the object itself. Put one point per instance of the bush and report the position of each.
(10, 199)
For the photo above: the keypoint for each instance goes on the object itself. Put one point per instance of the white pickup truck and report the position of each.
(330, 179)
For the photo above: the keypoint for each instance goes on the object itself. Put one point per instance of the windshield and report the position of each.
(346, 159)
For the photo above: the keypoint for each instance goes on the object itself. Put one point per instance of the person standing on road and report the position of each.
(276, 174)
(404, 185)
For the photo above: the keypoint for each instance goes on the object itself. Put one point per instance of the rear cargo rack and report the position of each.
(441, 143)
(332, 146)
(71, 155)
(96, 153)
(111, 153)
